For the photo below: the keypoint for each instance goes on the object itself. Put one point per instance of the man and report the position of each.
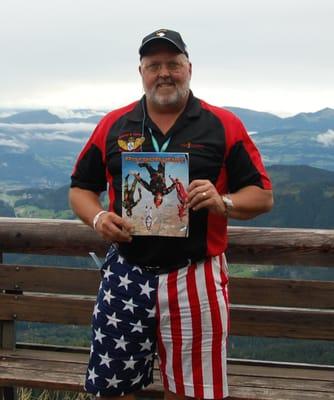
(162, 293)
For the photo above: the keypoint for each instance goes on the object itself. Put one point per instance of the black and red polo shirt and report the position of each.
(219, 148)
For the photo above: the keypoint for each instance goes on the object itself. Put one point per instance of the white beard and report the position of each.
(176, 97)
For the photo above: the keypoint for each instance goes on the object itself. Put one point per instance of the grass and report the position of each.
(246, 271)
(33, 394)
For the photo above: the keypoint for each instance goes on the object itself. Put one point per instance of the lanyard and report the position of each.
(155, 143)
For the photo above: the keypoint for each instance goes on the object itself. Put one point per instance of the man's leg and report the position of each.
(124, 330)
(193, 324)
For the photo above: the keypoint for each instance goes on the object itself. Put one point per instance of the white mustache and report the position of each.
(164, 81)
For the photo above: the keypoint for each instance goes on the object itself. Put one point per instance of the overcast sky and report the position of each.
(267, 55)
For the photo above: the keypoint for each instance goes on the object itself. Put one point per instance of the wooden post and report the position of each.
(8, 342)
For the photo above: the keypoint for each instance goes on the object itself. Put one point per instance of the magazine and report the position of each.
(154, 192)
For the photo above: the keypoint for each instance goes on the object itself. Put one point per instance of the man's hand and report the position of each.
(86, 205)
(203, 194)
(248, 201)
(113, 228)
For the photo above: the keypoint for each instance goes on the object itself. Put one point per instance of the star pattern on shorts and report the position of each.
(150, 312)
(113, 381)
(113, 320)
(99, 335)
(146, 289)
(137, 379)
(96, 310)
(136, 268)
(107, 273)
(147, 345)
(121, 343)
(108, 296)
(129, 305)
(125, 281)
(130, 364)
(120, 259)
(121, 355)
(137, 327)
(92, 375)
(105, 359)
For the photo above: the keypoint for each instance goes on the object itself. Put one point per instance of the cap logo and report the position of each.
(160, 34)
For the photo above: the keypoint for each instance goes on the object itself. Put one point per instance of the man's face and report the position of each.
(166, 76)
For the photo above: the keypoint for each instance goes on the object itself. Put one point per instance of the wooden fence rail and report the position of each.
(273, 246)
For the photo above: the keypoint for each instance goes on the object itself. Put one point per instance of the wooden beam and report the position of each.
(49, 279)
(262, 246)
(282, 322)
(247, 291)
(281, 246)
(49, 236)
(247, 380)
(42, 308)
(281, 292)
(245, 320)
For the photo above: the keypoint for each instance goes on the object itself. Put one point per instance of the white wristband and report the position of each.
(96, 218)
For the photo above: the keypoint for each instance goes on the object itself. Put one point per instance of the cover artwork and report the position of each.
(154, 192)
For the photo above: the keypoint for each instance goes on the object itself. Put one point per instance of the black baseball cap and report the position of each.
(163, 34)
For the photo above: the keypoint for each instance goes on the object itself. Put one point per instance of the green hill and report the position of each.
(304, 198)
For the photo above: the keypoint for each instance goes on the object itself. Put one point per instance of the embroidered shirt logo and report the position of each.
(190, 145)
(130, 141)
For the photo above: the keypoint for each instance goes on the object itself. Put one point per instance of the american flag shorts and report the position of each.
(182, 315)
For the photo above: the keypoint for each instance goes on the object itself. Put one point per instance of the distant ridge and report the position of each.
(300, 175)
(263, 121)
(322, 119)
(32, 117)
(258, 121)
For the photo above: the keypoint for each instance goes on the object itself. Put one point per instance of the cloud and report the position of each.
(55, 136)
(327, 138)
(62, 112)
(14, 144)
(21, 135)
(66, 127)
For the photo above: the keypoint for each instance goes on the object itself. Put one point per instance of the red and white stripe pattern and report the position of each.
(192, 312)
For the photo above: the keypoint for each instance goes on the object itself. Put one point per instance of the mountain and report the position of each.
(304, 198)
(253, 120)
(256, 120)
(39, 148)
(54, 199)
(297, 147)
(6, 210)
(26, 169)
(298, 176)
(323, 119)
(262, 121)
(32, 117)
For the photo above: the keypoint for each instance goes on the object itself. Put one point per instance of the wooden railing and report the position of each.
(264, 307)
(261, 246)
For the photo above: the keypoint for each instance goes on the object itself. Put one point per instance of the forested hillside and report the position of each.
(304, 198)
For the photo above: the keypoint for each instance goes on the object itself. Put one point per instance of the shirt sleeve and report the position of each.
(243, 160)
(90, 169)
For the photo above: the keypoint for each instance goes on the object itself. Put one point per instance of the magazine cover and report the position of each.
(154, 192)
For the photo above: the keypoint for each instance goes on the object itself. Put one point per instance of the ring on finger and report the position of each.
(204, 194)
